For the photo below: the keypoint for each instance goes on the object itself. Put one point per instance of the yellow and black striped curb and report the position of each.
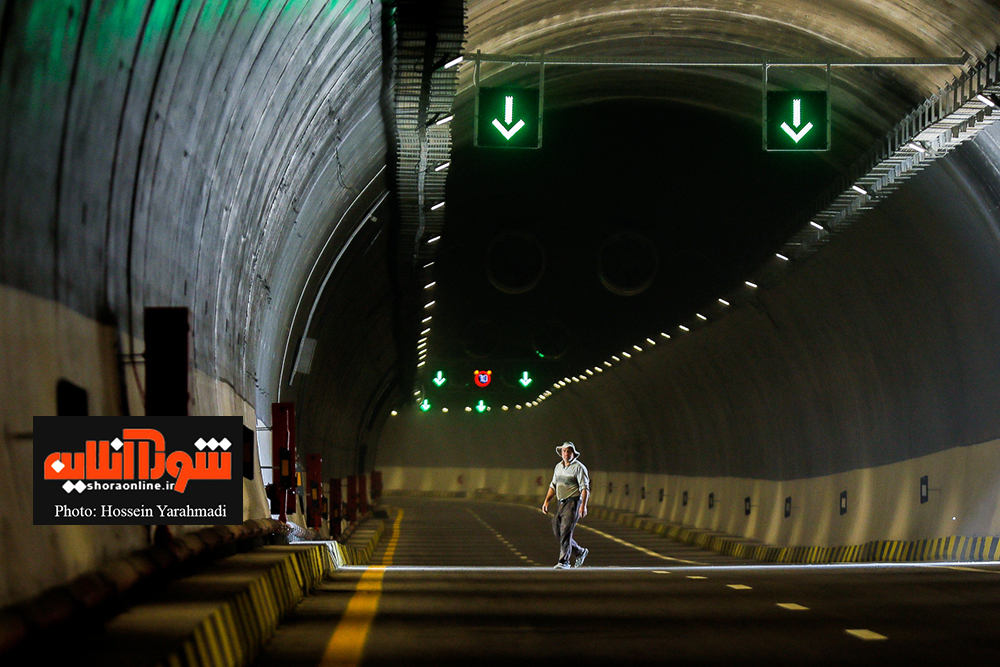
(359, 548)
(99, 594)
(985, 548)
(220, 617)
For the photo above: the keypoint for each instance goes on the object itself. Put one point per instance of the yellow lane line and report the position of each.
(637, 547)
(347, 643)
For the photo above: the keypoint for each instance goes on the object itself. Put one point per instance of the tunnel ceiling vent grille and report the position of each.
(430, 34)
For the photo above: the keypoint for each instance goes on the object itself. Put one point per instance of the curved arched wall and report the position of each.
(215, 156)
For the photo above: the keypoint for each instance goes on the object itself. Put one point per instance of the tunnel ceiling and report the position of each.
(651, 194)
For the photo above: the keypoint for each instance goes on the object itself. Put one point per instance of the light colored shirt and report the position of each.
(569, 480)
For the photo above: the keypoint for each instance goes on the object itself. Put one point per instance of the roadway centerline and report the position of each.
(500, 537)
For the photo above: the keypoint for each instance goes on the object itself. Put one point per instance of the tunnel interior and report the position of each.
(243, 160)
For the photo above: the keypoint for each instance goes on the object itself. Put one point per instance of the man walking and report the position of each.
(571, 486)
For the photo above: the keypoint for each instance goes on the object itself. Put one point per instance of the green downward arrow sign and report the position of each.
(797, 134)
(439, 379)
(525, 380)
(502, 128)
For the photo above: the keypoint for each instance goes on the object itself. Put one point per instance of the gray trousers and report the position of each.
(563, 523)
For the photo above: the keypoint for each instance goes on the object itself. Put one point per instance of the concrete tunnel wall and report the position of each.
(172, 153)
(207, 155)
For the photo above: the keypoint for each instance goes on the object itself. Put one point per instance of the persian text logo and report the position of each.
(138, 463)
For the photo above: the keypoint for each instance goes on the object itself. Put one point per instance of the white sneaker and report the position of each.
(581, 558)
(563, 566)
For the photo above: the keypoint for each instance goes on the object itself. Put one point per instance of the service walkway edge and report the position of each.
(950, 548)
(221, 612)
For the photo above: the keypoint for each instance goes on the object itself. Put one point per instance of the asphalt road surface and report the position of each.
(466, 582)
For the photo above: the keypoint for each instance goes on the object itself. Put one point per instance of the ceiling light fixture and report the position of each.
(723, 302)
(452, 63)
(442, 166)
(917, 147)
(446, 119)
(430, 285)
(985, 100)
(781, 257)
(438, 206)
(750, 284)
(428, 305)
(683, 328)
(816, 225)
(702, 317)
(860, 190)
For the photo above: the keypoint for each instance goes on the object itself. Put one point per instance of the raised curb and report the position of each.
(955, 547)
(222, 613)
